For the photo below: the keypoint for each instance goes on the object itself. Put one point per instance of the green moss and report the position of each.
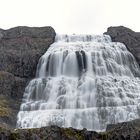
(4, 110)
(71, 133)
(104, 135)
(13, 136)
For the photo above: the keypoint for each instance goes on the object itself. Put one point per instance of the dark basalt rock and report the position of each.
(6, 83)
(21, 47)
(126, 130)
(20, 50)
(122, 131)
(130, 38)
(49, 133)
(24, 31)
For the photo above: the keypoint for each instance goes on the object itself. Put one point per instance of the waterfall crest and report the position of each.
(82, 81)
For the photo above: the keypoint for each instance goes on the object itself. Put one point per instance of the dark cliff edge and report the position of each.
(20, 50)
(130, 38)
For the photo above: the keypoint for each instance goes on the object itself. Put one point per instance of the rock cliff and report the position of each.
(20, 50)
(130, 38)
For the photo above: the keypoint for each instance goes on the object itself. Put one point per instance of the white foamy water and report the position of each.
(82, 81)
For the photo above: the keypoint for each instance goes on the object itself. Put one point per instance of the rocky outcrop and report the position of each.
(134, 123)
(21, 47)
(130, 38)
(20, 50)
(122, 131)
(48, 133)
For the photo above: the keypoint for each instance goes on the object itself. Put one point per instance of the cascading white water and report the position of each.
(82, 81)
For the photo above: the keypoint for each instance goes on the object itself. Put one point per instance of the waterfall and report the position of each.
(82, 81)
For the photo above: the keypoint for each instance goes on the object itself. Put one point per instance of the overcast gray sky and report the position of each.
(71, 16)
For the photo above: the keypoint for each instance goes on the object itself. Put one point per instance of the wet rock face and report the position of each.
(20, 50)
(130, 38)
